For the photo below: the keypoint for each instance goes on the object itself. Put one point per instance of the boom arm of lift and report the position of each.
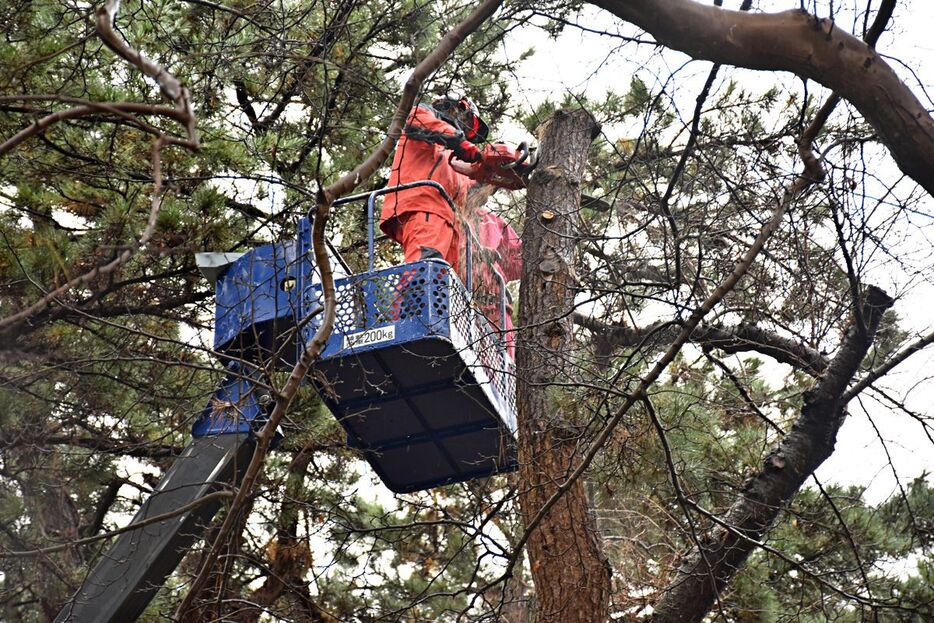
(136, 565)
(260, 312)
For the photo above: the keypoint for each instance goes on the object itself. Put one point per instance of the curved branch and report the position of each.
(124, 110)
(737, 339)
(811, 48)
(171, 87)
(173, 90)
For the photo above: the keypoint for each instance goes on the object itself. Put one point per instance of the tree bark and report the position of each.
(806, 46)
(569, 567)
(705, 571)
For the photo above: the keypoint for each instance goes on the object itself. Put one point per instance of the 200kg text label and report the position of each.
(371, 336)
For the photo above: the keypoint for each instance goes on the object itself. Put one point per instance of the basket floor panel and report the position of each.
(425, 465)
(417, 413)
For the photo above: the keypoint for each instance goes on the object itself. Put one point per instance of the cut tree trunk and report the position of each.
(706, 570)
(569, 568)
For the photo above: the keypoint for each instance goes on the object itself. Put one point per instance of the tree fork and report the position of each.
(570, 570)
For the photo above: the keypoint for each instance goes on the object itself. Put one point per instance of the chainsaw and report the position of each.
(500, 165)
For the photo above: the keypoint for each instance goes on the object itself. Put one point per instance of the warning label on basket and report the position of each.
(371, 336)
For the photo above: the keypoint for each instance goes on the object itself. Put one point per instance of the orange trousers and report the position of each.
(424, 235)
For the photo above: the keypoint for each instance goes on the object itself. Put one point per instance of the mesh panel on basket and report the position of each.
(439, 291)
(490, 350)
(376, 299)
(394, 296)
(349, 305)
(370, 300)
(460, 308)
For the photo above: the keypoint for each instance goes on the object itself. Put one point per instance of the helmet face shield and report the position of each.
(464, 115)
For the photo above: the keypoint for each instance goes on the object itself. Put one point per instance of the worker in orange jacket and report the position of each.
(419, 218)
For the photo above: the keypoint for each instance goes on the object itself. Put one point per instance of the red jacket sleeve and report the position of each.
(425, 125)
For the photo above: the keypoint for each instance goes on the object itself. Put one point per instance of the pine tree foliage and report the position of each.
(98, 390)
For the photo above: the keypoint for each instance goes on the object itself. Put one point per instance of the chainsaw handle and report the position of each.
(523, 150)
(461, 166)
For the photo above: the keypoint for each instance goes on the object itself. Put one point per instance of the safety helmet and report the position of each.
(462, 113)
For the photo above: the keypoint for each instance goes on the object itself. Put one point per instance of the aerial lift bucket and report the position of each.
(419, 380)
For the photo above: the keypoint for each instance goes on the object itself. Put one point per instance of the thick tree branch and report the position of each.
(736, 339)
(811, 48)
(707, 569)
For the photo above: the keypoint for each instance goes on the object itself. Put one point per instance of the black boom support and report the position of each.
(127, 576)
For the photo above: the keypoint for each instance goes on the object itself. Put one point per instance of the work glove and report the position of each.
(468, 152)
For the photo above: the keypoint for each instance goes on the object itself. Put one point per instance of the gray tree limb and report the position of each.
(723, 550)
(729, 339)
(806, 46)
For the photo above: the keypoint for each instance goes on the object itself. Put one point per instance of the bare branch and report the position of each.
(877, 373)
(735, 339)
(133, 526)
(174, 90)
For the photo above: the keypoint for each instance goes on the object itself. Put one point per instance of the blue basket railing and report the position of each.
(471, 242)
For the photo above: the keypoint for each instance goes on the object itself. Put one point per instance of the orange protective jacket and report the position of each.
(422, 154)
